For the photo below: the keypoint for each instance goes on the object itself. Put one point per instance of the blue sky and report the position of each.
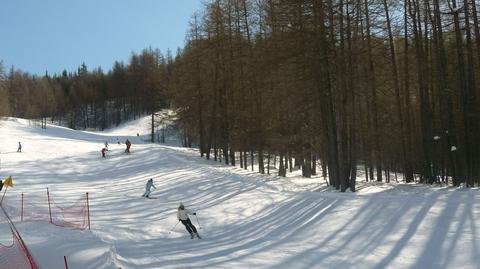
(40, 35)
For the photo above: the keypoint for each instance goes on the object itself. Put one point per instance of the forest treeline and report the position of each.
(377, 85)
(89, 99)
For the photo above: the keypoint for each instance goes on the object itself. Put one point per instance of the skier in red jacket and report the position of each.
(104, 150)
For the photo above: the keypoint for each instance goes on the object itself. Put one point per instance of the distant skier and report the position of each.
(118, 141)
(19, 147)
(106, 144)
(148, 188)
(182, 216)
(128, 144)
(104, 151)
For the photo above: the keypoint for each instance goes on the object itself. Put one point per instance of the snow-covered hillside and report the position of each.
(247, 220)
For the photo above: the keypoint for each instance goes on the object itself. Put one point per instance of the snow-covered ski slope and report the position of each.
(247, 220)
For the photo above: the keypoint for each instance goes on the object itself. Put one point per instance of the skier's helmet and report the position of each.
(181, 207)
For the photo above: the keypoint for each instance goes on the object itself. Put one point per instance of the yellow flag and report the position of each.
(8, 182)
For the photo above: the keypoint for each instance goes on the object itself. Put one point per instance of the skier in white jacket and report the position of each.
(182, 216)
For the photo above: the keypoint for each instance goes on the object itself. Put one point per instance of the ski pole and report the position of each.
(199, 226)
(171, 230)
(6, 188)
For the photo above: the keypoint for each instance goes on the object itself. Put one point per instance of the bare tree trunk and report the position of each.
(408, 176)
(268, 163)
(407, 167)
(281, 170)
(252, 159)
(425, 114)
(261, 166)
(241, 159)
(462, 79)
(472, 114)
(373, 91)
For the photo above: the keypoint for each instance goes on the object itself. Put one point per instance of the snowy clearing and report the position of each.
(247, 220)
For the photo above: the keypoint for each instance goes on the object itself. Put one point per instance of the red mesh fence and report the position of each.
(36, 207)
(73, 216)
(64, 212)
(28, 207)
(16, 255)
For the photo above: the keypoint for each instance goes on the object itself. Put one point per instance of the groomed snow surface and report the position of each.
(247, 220)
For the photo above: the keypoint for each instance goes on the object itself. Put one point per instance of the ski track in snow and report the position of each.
(247, 220)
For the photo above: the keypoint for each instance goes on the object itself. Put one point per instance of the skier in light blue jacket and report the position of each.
(148, 188)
